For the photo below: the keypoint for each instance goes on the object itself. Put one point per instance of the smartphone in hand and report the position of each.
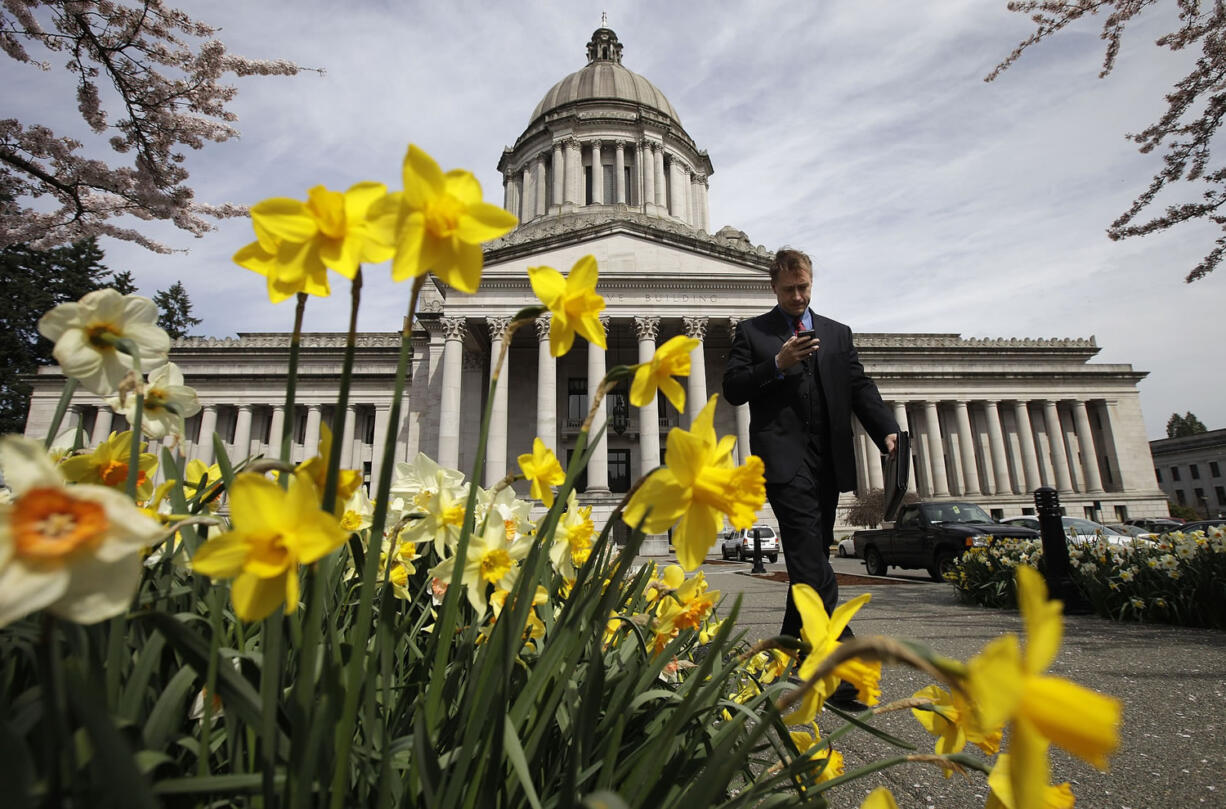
(806, 334)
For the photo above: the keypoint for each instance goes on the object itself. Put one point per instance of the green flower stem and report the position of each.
(361, 629)
(291, 384)
(134, 452)
(270, 692)
(70, 387)
(342, 400)
(210, 679)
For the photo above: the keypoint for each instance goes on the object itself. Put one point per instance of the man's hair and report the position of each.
(790, 260)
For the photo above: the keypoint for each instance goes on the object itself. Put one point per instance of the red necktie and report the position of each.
(800, 324)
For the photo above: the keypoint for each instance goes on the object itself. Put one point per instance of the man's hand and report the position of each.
(891, 444)
(797, 348)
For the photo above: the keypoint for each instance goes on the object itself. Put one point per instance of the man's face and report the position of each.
(792, 289)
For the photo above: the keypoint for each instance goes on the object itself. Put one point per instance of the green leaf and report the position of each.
(16, 769)
(237, 784)
(118, 770)
(516, 754)
(137, 686)
(170, 711)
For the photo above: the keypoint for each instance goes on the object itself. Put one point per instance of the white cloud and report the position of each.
(861, 131)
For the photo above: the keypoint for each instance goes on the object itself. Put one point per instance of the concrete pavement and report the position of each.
(1171, 680)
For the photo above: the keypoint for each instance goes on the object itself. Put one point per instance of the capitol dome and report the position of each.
(605, 79)
(605, 142)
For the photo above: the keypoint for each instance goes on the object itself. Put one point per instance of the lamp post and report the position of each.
(621, 414)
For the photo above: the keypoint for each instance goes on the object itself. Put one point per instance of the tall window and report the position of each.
(1214, 471)
(587, 184)
(576, 400)
(1181, 497)
(1221, 495)
(619, 470)
(1175, 473)
(581, 481)
(1121, 513)
(1158, 474)
(629, 186)
(1195, 469)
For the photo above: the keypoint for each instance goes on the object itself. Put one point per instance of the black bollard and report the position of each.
(1055, 552)
(758, 567)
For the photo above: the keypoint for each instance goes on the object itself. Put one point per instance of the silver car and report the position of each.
(1077, 529)
(738, 544)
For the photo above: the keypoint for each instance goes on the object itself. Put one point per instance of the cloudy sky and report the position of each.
(859, 130)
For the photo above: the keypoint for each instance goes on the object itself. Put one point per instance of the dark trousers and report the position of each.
(805, 508)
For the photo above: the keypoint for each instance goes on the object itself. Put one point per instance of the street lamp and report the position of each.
(621, 414)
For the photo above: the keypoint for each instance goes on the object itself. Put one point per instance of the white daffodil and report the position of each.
(490, 561)
(439, 494)
(515, 514)
(167, 403)
(572, 539)
(86, 334)
(73, 550)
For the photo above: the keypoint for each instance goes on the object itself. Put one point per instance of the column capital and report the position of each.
(497, 325)
(596, 143)
(646, 327)
(696, 326)
(571, 142)
(542, 326)
(604, 323)
(620, 144)
(454, 328)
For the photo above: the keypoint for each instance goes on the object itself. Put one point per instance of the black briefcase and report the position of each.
(896, 472)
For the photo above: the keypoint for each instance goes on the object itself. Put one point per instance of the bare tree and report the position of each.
(1194, 107)
(160, 72)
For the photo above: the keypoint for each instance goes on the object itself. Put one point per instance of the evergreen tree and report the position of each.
(34, 282)
(175, 310)
(1178, 426)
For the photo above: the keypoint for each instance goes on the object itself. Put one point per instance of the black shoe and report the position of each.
(846, 703)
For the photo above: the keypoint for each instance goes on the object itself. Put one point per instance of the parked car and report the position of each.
(931, 536)
(1077, 529)
(1136, 531)
(738, 544)
(1199, 525)
(1157, 525)
(847, 547)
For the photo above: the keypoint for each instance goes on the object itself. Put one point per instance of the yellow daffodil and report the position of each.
(489, 561)
(167, 403)
(821, 631)
(439, 222)
(573, 302)
(72, 550)
(698, 486)
(297, 242)
(86, 334)
(273, 531)
(827, 762)
(572, 538)
(541, 467)
(348, 480)
(683, 604)
(1008, 684)
(107, 465)
(1001, 796)
(199, 479)
(951, 721)
(879, 798)
(671, 359)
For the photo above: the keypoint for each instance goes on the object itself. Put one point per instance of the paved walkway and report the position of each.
(1171, 680)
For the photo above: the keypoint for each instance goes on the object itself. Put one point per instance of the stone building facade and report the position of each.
(605, 168)
(1191, 470)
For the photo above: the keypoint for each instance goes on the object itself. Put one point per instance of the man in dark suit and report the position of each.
(801, 391)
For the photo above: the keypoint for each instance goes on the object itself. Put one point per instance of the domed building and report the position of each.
(604, 167)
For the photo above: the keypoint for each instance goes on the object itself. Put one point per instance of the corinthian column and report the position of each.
(619, 172)
(1085, 440)
(597, 173)
(1025, 435)
(454, 329)
(310, 442)
(647, 166)
(966, 442)
(742, 410)
(598, 463)
(102, 426)
(936, 452)
(996, 440)
(542, 190)
(574, 174)
(1055, 438)
(696, 393)
(661, 186)
(646, 330)
(242, 432)
(546, 387)
(559, 173)
(528, 202)
(208, 426)
(496, 445)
